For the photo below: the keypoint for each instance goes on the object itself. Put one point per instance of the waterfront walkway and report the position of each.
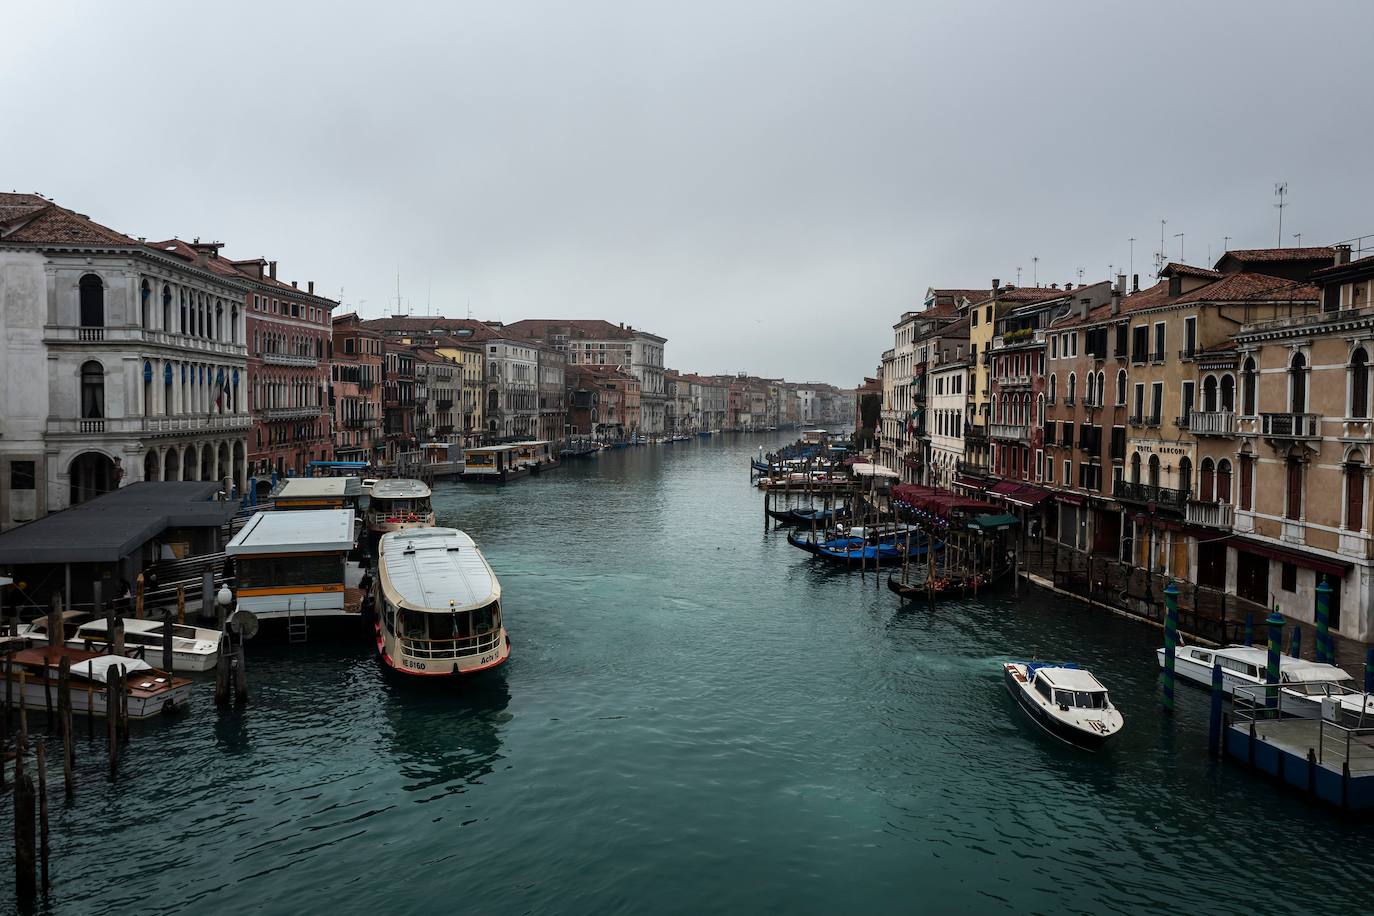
(1203, 612)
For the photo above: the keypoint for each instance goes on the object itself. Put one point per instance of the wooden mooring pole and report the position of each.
(25, 887)
(112, 715)
(64, 712)
(42, 766)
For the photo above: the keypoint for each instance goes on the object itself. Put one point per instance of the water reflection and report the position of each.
(444, 736)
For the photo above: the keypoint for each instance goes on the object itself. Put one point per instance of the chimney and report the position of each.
(1342, 254)
(293, 284)
(1135, 283)
(272, 269)
(1117, 289)
(310, 287)
(1068, 287)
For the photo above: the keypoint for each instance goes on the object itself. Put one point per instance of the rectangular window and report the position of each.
(1159, 342)
(1140, 344)
(1187, 403)
(1120, 349)
(1139, 412)
(1054, 347)
(973, 319)
(988, 318)
(1288, 581)
(1073, 344)
(1068, 470)
(1189, 337)
(1156, 402)
(22, 475)
(1049, 471)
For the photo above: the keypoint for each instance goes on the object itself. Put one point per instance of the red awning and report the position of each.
(1337, 568)
(1072, 499)
(1004, 488)
(1028, 496)
(969, 483)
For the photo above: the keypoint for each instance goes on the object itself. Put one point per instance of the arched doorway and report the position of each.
(91, 475)
(222, 471)
(191, 464)
(151, 466)
(171, 469)
(207, 462)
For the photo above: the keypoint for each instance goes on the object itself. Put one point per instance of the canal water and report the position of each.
(695, 718)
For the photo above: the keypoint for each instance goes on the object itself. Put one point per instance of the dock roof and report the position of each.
(112, 526)
(294, 531)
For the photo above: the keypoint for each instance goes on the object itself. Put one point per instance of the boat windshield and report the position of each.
(419, 506)
(456, 625)
(1082, 699)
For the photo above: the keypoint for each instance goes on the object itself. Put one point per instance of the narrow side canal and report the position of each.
(696, 718)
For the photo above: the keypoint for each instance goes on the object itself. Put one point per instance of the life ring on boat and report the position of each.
(412, 517)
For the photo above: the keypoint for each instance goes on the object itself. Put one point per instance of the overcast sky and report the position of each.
(768, 185)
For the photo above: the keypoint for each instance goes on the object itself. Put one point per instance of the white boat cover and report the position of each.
(97, 668)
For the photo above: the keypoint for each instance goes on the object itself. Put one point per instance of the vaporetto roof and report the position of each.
(435, 569)
(399, 489)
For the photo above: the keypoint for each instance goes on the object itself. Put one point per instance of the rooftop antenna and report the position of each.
(1225, 244)
(1298, 236)
(469, 308)
(1179, 236)
(398, 290)
(1160, 257)
(1281, 192)
(1018, 276)
(1132, 241)
(429, 296)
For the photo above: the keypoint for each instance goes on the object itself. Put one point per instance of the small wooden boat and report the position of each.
(946, 586)
(152, 692)
(1064, 700)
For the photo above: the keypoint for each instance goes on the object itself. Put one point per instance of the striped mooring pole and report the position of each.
(1324, 651)
(1249, 629)
(1295, 643)
(1214, 721)
(1170, 643)
(1271, 670)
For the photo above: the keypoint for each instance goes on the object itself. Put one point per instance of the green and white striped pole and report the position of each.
(1271, 672)
(1170, 643)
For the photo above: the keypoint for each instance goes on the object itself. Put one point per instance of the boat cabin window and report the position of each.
(1204, 657)
(1239, 667)
(1042, 686)
(389, 616)
(276, 572)
(419, 506)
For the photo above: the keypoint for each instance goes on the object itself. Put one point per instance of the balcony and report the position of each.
(1290, 425)
(289, 359)
(443, 404)
(291, 413)
(1188, 353)
(1210, 515)
(1018, 432)
(972, 468)
(975, 431)
(358, 422)
(149, 426)
(1356, 429)
(1212, 422)
(1162, 497)
(135, 335)
(1014, 381)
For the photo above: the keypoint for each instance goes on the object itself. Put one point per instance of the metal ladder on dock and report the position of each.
(297, 624)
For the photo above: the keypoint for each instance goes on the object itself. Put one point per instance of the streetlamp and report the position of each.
(223, 600)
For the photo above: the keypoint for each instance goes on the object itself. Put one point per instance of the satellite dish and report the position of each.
(246, 622)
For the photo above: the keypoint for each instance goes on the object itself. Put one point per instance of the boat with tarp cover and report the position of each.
(33, 681)
(437, 605)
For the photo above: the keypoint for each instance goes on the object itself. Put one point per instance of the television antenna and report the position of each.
(1179, 236)
(1132, 241)
(1281, 192)
(1035, 269)
(1298, 236)
(1160, 257)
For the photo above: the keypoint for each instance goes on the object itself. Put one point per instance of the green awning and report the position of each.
(993, 522)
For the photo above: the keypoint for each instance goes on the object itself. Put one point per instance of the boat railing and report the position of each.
(1344, 735)
(451, 648)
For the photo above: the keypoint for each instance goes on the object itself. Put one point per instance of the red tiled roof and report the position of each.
(1357, 264)
(1188, 270)
(38, 221)
(1251, 287)
(1031, 293)
(575, 328)
(425, 326)
(1255, 255)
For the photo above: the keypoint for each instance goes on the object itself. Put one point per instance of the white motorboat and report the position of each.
(193, 648)
(1064, 700)
(1305, 683)
(151, 691)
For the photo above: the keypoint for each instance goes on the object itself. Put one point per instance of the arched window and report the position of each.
(1359, 383)
(1249, 387)
(183, 312)
(145, 304)
(1120, 387)
(92, 302)
(1354, 492)
(166, 307)
(217, 328)
(1224, 481)
(1293, 468)
(167, 389)
(1054, 392)
(1204, 481)
(1091, 384)
(234, 324)
(1072, 389)
(92, 391)
(1135, 468)
(1297, 384)
(1154, 470)
(1185, 475)
(148, 388)
(1228, 392)
(1101, 388)
(1209, 393)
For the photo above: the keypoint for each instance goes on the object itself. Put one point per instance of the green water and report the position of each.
(695, 718)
